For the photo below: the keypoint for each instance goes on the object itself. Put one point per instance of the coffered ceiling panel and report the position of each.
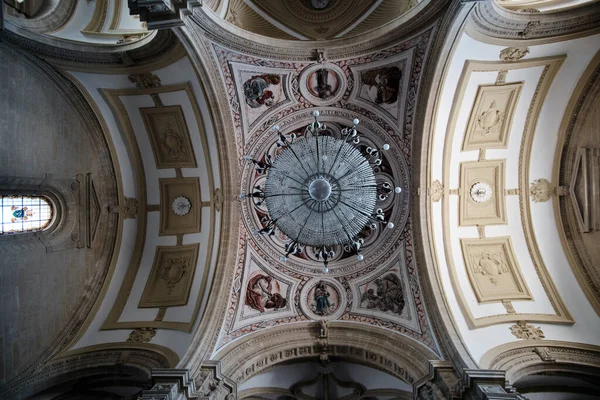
(508, 266)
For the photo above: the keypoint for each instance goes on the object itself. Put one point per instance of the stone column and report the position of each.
(170, 384)
(476, 384)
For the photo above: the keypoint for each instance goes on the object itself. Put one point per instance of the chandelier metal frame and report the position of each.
(321, 191)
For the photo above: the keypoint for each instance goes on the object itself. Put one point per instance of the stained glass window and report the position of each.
(24, 214)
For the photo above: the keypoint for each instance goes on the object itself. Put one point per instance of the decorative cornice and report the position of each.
(214, 29)
(152, 52)
(443, 324)
(495, 23)
(59, 16)
(529, 357)
(89, 360)
(399, 356)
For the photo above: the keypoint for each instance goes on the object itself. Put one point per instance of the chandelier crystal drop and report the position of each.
(321, 191)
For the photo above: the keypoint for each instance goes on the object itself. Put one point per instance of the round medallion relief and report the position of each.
(182, 206)
(481, 192)
(322, 84)
(323, 299)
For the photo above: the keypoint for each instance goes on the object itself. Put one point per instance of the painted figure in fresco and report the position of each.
(387, 83)
(322, 304)
(255, 90)
(323, 89)
(20, 213)
(389, 297)
(259, 295)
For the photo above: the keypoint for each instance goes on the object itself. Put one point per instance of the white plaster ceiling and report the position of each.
(176, 73)
(125, 23)
(578, 53)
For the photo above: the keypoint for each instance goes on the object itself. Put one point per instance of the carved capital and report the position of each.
(171, 384)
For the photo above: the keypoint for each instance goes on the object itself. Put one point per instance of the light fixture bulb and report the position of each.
(390, 225)
(315, 113)
(242, 195)
(325, 270)
(248, 158)
(386, 147)
(283, 259)
(360, 257)
(276, 128)
(356, 121)
(398, 189)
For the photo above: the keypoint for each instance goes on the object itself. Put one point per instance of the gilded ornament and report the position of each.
(511, 54)
(523, 330)
(436, 191)
(141, 335)
(540, 190)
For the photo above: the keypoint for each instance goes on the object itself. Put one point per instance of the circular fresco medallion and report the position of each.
(322, 84)
(323, 299)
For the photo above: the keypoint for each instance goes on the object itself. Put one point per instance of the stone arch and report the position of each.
(49, 16)
(532, 357)
(131, 363)
(396, 355)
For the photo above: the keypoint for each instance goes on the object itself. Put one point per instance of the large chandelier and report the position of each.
(321, 191)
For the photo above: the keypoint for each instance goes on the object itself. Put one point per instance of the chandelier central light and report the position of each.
(321, 191)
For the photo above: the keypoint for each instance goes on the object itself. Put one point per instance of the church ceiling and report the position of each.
(379, 89)
(314, 19)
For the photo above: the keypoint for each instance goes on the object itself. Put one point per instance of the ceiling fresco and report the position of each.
(380, 90)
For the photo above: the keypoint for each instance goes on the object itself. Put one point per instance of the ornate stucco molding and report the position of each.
(492, 23)
(205, 339)
(213, 28)
(399, 356)
(87, 361)
(532, 357)
(156, 50)
(50, 21)
(567, 170)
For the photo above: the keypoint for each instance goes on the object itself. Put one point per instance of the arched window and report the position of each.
(22, 214)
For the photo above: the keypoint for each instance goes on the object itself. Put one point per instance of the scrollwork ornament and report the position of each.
(540, 190)
(141, 335)
(436, 191)
(131, 207)
(525, 331)
(145, 80)
(511, 54)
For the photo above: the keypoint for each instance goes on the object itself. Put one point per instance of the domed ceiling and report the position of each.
(379, 89)
(314, 19)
